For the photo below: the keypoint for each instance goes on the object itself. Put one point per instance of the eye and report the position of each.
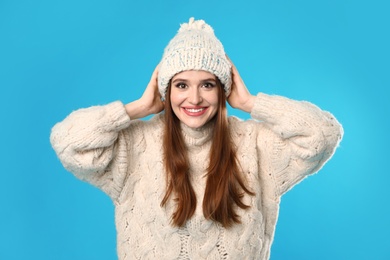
(208, 85)
(181, 85)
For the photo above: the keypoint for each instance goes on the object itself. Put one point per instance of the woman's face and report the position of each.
(194, 97)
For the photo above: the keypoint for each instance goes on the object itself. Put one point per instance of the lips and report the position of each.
(192, 111)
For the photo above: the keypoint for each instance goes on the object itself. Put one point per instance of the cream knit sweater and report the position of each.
(286, 141)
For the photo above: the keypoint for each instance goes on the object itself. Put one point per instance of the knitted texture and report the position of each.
(194, 47)
(101, 145)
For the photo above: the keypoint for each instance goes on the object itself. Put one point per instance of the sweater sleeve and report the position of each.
(90, 144)
(303, 138)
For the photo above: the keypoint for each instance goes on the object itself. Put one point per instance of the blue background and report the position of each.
(57, 56)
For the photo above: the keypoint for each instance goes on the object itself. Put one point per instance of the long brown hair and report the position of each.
(225, 186)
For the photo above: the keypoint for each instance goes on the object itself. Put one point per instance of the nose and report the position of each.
(195, 96)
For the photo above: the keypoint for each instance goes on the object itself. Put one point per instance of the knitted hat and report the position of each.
(194, 47)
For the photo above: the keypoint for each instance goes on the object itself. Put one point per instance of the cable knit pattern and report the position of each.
(286, 141)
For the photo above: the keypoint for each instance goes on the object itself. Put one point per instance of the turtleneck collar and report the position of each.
(197, 136)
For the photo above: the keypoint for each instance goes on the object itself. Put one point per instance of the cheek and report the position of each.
(216, 101)
(175, 99)
(213, 99)
(176, 102)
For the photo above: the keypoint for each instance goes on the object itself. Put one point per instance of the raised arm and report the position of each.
(299, 137)
(91, 142)
(149, 103)
(240, 97)
(86, 143)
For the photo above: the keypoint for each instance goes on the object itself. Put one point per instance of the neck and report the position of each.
(197, 136)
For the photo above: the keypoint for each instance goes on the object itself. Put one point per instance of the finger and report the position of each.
(154, 74)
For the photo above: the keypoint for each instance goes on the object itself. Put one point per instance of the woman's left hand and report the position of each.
(240, 97)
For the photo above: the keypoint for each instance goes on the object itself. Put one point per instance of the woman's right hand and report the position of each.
(150, 102)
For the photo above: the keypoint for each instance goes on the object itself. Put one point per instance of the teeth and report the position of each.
(193, 110)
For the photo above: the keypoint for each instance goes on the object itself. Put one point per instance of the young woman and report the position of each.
(192, 183)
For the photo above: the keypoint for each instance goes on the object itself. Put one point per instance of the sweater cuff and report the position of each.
(118, 118)
(266, 107)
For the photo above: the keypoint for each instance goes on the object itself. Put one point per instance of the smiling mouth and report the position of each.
(195, 111)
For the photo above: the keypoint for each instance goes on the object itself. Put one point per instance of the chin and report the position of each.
(197, 123)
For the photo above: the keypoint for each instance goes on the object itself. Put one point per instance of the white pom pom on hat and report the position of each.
(194, 47)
